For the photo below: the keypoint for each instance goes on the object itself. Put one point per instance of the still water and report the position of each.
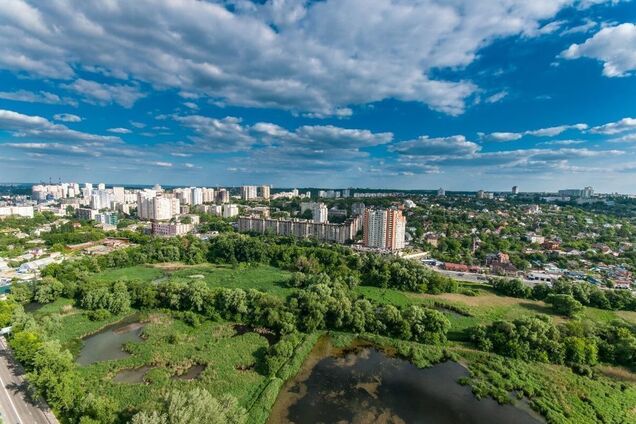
(106, 345)
(367, 386)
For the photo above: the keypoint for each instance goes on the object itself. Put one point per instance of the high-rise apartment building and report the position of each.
(384, 228)
(197, 195)
(319, 213)
(265, 190)
(154, 208)
(209, 195)
(223, 196)
(119, 194)
(248, 192)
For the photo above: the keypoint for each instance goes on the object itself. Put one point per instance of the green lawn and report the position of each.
(260, 277)
(139, 272)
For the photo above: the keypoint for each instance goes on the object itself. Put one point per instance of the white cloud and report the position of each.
(163, 164)
(39, 128)
(316, 57)
(615, 46)
(628, 138)
(582, 28)
(453, 146)
(562, 142)
(32, 97)
(66, 117)
(119, 130)
(502, 136)
(541, 132)
(497, 97)
(94, 92)
(617, 127)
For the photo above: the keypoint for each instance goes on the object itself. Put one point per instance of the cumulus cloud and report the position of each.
(36, 97)
(290, 54)
(541, 132)
(456, 145)
(103, 94)
(625, 124)
(119, 130)
(67, 117)
(37, 127)
(615, 46)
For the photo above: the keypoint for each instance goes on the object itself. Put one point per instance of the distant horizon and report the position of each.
(462, 95)
(300, 188)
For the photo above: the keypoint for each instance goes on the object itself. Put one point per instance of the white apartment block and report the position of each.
(384, 229)
(154, 208)
(229, 211)
(320, 213)
(163, 229)
(339, 233)
(265, 192)
(248, 192)
(23, 211)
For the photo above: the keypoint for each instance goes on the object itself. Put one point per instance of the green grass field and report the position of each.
(486, 307)
(139, 272)
(260, 277)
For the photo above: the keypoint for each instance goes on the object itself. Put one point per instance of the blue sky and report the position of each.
(415, 94)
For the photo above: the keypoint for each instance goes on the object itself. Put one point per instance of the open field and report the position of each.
(485, 307)
(260, 277)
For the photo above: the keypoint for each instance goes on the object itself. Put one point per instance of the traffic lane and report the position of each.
(14, 395)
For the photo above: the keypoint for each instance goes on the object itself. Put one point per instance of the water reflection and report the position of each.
(106, 345)
(366, 386)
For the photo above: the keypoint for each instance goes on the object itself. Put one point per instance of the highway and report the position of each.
(15, 406)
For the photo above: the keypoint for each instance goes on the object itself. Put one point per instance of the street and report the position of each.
(474, 278)
(15, 405)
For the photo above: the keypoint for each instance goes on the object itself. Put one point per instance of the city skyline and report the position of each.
(465, 96)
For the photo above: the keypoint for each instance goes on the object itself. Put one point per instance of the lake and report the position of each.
(367, 386)
(107, 344)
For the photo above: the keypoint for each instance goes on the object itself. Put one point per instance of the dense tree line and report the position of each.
(336, 261)
(574, 343)
(585, 294)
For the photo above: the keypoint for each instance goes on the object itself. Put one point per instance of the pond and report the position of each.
(365, 385)
(106, 345)
(131, 375)
(191, 373)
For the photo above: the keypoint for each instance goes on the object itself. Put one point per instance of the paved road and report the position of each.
(474, 278)
(14, 401)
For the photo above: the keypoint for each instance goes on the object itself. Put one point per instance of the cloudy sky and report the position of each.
(461, 94)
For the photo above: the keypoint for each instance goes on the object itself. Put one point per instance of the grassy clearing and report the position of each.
(485, 307)
(260, 277)
(139, 272)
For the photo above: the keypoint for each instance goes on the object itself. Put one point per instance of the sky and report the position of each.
(416, 94)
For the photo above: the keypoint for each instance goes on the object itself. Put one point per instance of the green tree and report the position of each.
(565, 304)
